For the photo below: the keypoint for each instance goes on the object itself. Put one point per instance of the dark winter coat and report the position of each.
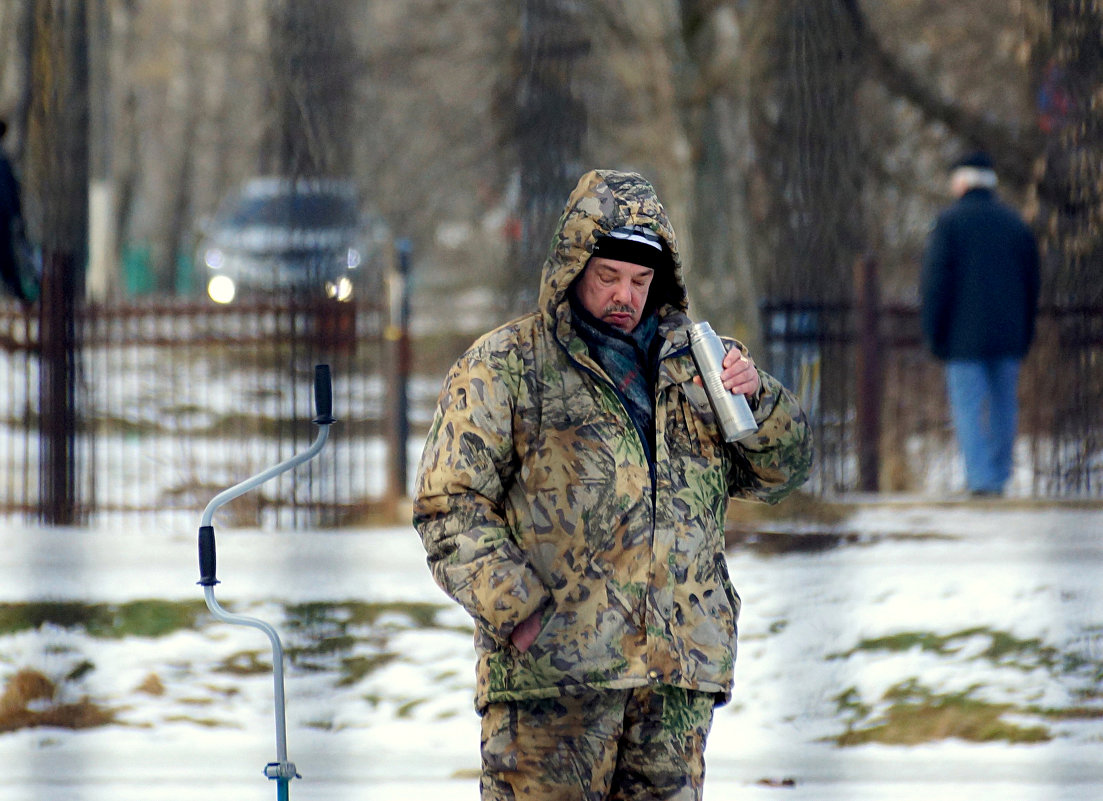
(11, 220)
(980, 281)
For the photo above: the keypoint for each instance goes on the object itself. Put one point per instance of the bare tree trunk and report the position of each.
(187, 113)
(103, 255)
(58, 161)
(724, 288)
(1071, 222)
(808, 135)
(18, 16)
(549, 127)
(311, 91)
(1013, 149)
(127, 152)
(809, 195)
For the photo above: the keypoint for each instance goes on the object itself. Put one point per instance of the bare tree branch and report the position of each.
(1015, 152)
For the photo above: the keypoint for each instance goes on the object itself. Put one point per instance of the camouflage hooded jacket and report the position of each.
(535, 493)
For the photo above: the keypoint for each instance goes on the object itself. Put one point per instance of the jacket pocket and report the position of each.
(536, 648)
(681, 434)
(729, 589)
(699, 422)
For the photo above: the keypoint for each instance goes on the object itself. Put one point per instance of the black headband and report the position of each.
(633, 244)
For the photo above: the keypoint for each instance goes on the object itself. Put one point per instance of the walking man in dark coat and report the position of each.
(13, 274)
(979, 289)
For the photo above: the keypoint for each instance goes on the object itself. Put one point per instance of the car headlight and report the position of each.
(213, 258)
(341, 289)
(221, 289)
(353, 258)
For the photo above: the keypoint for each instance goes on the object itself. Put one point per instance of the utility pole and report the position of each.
(57, 147)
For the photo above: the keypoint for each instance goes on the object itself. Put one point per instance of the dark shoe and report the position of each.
(979, 493)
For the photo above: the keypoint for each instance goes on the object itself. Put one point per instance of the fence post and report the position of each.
(867, 292)
(398, 333)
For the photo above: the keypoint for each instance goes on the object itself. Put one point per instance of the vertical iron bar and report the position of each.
(867, 292)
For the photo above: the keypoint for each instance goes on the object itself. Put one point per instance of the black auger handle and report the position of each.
(323, 395)
(206, 556)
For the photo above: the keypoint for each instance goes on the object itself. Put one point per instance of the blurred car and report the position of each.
(305, 238)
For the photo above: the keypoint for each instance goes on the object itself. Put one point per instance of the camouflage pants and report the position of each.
(612, 745)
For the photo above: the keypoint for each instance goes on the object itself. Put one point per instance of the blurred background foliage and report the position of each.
(786, 137)
(791, 140)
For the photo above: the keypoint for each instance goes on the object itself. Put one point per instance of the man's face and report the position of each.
(615, 292)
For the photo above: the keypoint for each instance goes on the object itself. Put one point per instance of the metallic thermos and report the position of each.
(732, 412)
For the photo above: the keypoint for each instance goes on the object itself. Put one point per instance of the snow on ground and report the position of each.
(384, 712)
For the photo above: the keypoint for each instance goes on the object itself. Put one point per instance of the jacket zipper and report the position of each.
(624, 404)
(651, 461)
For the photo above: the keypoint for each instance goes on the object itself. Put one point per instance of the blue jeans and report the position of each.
(984, 406)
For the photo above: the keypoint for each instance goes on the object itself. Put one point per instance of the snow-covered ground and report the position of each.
(999, 603)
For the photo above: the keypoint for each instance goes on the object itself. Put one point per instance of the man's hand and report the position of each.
(739, 374)
(524, 635)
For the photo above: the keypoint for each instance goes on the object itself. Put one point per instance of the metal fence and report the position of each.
(878, 400)
(177, 400)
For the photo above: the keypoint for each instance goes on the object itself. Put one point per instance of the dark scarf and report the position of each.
(628, 359)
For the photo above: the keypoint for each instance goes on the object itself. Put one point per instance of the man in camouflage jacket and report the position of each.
(583, 529)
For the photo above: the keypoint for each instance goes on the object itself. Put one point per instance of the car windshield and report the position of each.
(306, 210)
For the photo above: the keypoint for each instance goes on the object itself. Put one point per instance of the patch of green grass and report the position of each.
(349, 639)
(420, 615)
(146, 618)
(82, 669)
(158, 618)
(355, 668)
(1093, 692)
(1003, 648)
(1069, 713)
(207, 723)
(150, 618)
(328, 632)
(904, 641)
(196, 701)
(244, 663)
(317, 655)
(850, 702)
(15, 617)
(915, 715)
(1030, 653)
(406, 710)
